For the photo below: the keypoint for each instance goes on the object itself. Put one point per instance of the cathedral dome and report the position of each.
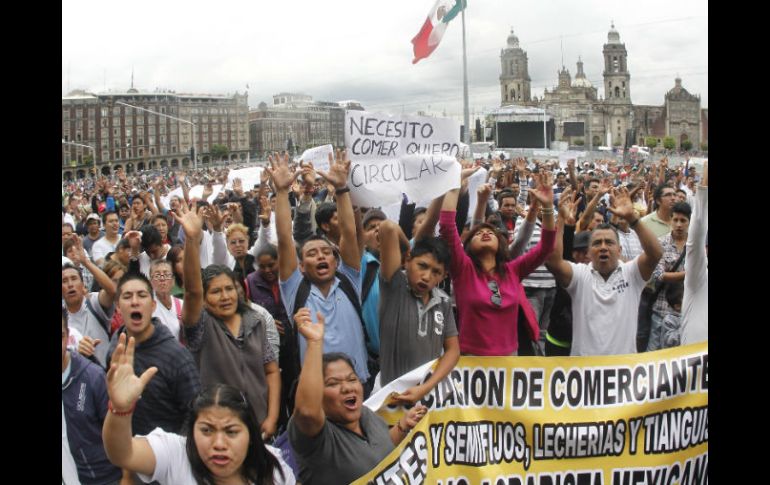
(513, 41)
(613, 37)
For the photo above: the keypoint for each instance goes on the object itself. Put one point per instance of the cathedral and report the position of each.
(580, 116)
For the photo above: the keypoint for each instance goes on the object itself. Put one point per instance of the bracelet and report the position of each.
(546, 211)
(120, 413)
(633, 224)
(398, 425)
(342, 190)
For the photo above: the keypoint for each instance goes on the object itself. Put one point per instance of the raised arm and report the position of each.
(428, 227)
(283, 177)
(572, 177)
(156, 196)
(483, 193)
(107, 292)
(588, 213)
(524, 230)
(192, 225)
(338, 176)
(124, 389)
(308, 411)
(561, 269)
(622, 206)
(390, 252)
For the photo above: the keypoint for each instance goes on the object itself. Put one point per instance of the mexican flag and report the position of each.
(426, 41)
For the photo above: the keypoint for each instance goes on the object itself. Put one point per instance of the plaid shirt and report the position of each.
(666, 264)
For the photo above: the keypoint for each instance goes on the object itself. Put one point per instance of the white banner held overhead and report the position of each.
(392, 155)
(250, 177)
(318, 156)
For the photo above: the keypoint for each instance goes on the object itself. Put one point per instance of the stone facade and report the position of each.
(138, 140)
(296, 117)
(606, 120)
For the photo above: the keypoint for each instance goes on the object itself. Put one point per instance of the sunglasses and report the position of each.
(496, 298)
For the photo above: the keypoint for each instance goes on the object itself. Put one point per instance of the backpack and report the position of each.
(102, 321)
(303, 291)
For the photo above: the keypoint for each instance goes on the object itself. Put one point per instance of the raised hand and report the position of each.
(467, 172)
(338, 171)
(280, 172)
(191, 222)
(544, 191)
(313, 332)
(215, 217)
(568, 203)
(123, 386)
(483, 192)
(235, 210)
(79, 249)
(308, 173)
(238, 186)
(621, 205)
(264, 213)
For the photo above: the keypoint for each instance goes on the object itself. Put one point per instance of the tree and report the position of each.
(704, 147)
(219, 151)
(669, 143)
(686, 145)
(651, 142)
(579, 142)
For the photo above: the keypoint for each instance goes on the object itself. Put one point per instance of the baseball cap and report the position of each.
(93, 216)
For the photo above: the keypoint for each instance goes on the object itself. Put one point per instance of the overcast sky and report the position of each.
(361, 49)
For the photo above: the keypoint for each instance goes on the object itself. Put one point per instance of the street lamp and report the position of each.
(195, 149)
(545, 135)
(93, 150)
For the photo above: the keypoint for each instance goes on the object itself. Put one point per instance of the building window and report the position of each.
(117, 154)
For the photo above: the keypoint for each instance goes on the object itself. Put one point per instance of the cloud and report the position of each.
(350, 49)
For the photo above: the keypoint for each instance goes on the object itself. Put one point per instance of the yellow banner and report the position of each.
(620, 420)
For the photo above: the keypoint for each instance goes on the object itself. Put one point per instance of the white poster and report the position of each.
(564, 157)
(392, 155)
(249, 177)
(318, 156)
(195, 193)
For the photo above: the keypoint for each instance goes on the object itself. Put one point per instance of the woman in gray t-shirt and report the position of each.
(335, 438)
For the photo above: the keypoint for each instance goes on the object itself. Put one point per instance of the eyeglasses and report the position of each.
(496, 298)
(163, 276)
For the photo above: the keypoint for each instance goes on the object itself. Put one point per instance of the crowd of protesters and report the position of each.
(198, 330)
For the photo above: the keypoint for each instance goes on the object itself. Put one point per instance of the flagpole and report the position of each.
(466, 116)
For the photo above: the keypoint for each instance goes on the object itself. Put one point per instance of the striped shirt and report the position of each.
(666, 264)
(541, 277)
(630, 246)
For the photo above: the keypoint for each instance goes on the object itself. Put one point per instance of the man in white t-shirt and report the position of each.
(606, 293)
(109, 242)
